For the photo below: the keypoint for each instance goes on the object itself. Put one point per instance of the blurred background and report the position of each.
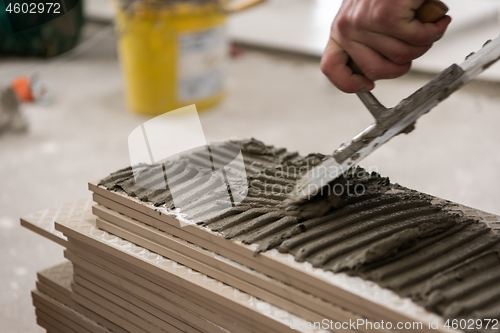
(73, 86)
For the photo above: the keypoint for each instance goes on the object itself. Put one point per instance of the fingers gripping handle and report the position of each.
(431, 11)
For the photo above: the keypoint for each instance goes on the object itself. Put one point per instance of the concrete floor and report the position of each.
(82, 136)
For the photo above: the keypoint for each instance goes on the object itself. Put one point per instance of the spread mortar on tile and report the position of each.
(397, 237)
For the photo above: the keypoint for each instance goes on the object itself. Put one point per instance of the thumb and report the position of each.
(334, 66)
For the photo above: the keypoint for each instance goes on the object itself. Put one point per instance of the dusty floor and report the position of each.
(82, 136)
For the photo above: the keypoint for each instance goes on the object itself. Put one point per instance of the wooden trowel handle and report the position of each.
(431, 11)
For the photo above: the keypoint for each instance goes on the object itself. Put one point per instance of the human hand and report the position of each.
(381, 36)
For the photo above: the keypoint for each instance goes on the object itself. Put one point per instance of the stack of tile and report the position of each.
(111, 284)
(134, 267)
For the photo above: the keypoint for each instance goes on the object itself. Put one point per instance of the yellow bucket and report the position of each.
(172, 53)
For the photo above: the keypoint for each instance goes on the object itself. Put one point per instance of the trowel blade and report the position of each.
(396, 120)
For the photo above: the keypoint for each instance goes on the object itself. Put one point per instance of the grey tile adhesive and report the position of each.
(403, 240)
(388, 253)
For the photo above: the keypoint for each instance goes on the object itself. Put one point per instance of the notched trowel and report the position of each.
(393, 121)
